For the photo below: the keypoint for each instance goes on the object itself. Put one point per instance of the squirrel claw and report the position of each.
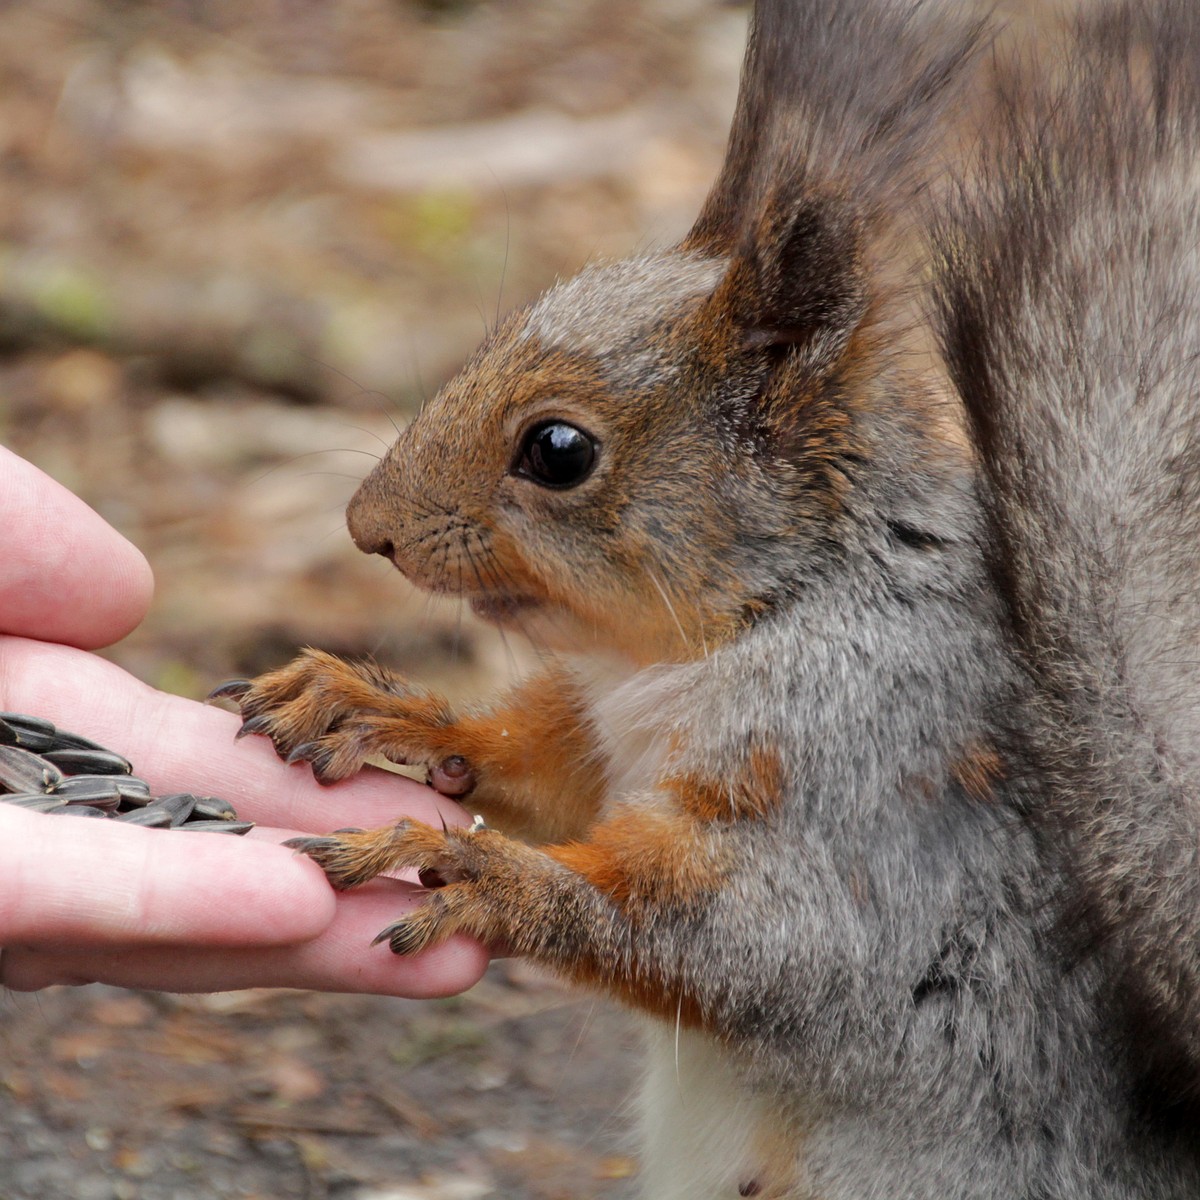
(330, 854)
(307, 845)
(386, 935)
(251, 725)
(231, 689)
(408, 936)
(320, 757)
(303, 753)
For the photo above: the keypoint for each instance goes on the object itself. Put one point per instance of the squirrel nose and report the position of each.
(368, 525)
(371, 541)
(386, 548)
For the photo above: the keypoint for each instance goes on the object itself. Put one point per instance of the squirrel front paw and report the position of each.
(471, 873)
(337, 715)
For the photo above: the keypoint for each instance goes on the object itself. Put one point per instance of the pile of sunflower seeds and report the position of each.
(48, 770)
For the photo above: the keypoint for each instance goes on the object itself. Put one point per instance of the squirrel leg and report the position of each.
(578, 907)
(530, 762)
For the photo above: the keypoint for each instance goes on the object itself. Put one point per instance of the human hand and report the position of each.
(84, 901)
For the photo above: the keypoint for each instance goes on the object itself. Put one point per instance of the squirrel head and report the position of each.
(654, 451)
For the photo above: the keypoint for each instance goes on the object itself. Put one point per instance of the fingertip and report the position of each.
(129, 596)
(70, 577)
(301, 902)
(445, 970)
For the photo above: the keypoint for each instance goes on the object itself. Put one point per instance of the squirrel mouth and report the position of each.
(501, 607)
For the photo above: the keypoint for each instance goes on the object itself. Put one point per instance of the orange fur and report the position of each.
(979, 768)
(645, 861)
(503, 891)
(750, 793)
(539, 774)
(531, 763)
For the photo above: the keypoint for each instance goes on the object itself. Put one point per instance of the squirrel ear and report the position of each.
(800, 281)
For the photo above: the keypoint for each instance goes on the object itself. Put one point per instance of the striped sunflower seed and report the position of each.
(23, 771)
(46, 769)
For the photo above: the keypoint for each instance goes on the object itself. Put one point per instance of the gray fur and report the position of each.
(885, 967)
(896, 965)
(1070, 317)
(841, 97)
(608, 309)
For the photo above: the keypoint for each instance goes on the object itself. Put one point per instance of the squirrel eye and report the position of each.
(556, 455)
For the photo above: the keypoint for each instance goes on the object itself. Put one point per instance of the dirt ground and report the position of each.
(513, 1090)
(238, 243)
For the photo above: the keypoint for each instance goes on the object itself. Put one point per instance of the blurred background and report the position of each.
(239, 240)
(239, 243)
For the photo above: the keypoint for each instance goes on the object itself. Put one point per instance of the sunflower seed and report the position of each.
(76, 741)
(217, 827)
(34, 801)
(45, 769)
(36, 740)
(25, 722)
(84, 789)
(151, 816)
(89, 785)
(178, 806)
(213, 808)
(136, 799)
(34, 733)
(73, 761)
(128, 787)
(120, 787)
(23, 771)
(94, 799)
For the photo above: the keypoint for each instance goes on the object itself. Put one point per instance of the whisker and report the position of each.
(456, 640)
(670, 608)
(489, 578)
(330, 475)
(293, 459)
(479, 310)
(678, 1027)
(418, 540)
(325, 364)
(507, 247)
(372, 434)
(337, 529)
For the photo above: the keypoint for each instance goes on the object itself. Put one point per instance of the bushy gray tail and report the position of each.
(1068, 298)
(842, 98)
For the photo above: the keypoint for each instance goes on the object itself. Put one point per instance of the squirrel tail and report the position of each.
(838, 97)
(1067, 278)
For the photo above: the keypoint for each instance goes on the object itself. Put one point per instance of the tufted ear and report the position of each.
(799, 283)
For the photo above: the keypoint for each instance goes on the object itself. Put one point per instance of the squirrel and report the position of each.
(861, 762)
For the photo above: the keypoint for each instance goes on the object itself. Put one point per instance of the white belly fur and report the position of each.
(700, 1126)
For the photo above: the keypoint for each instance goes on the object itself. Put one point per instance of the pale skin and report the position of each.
(93, 901)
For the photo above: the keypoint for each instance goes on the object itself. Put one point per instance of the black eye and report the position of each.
(556, 455)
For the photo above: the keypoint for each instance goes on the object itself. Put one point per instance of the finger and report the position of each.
(65, 574)
(342, 959)
(79, 882)
(180, 745)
